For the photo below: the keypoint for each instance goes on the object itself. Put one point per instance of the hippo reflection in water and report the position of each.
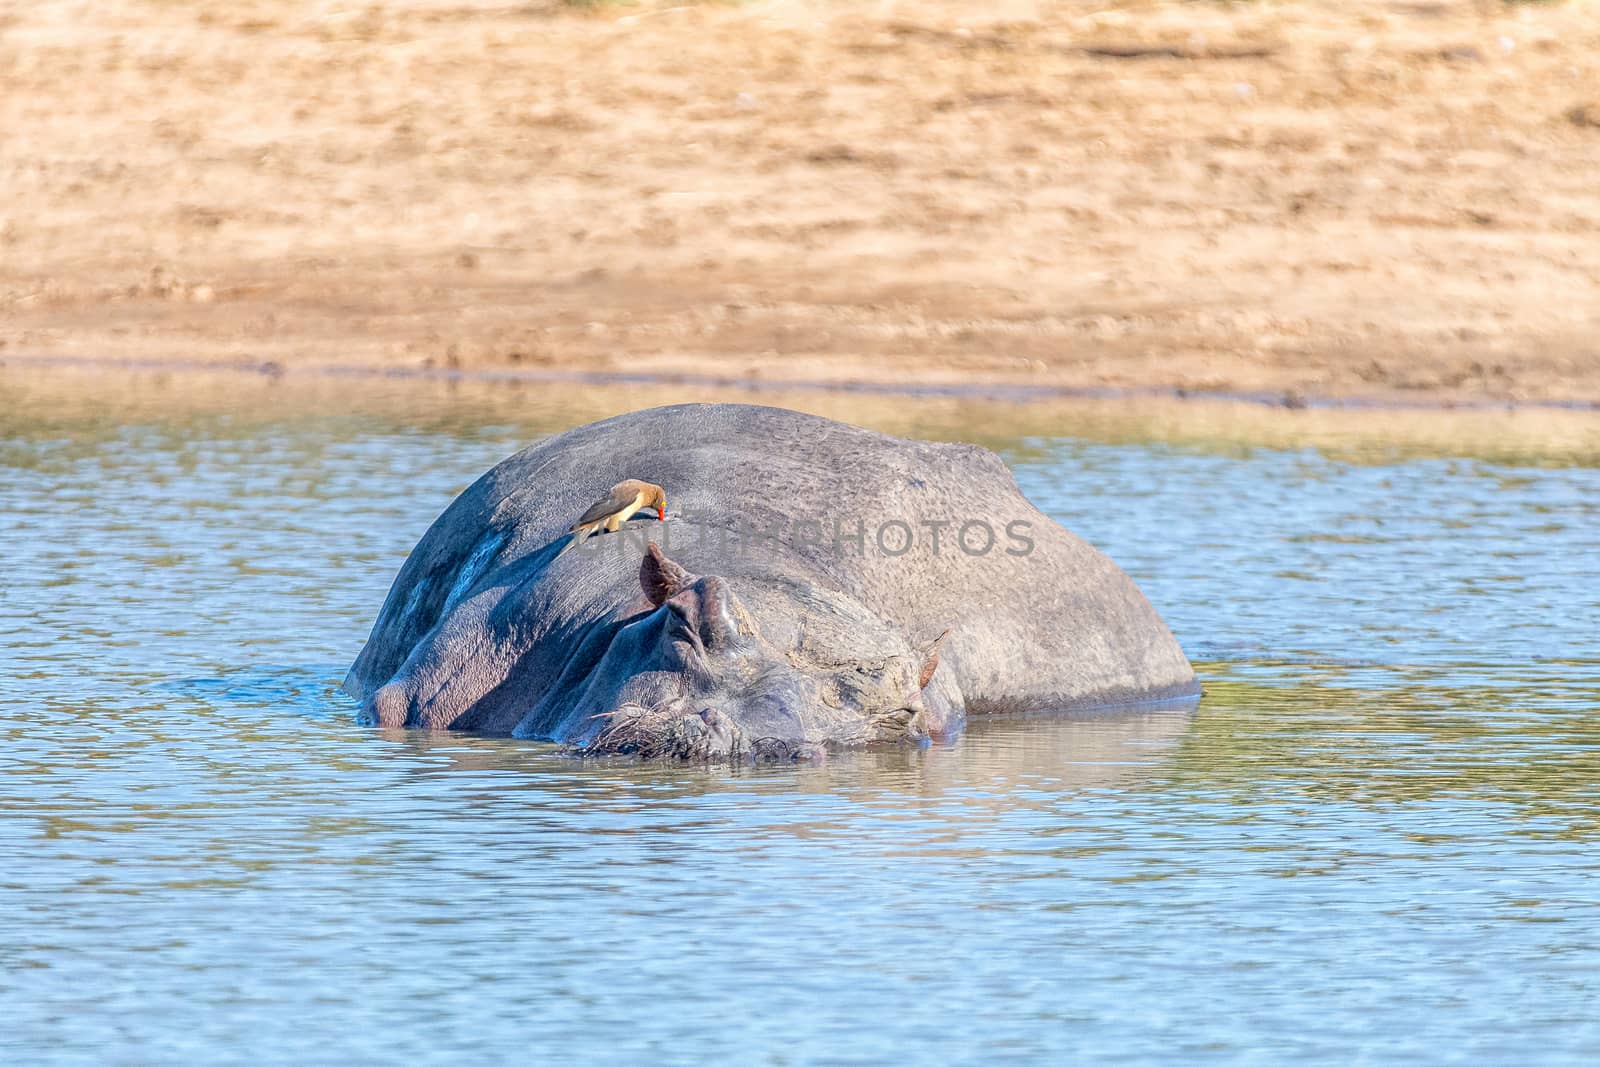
(817, 586)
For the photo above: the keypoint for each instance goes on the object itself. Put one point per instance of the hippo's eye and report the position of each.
(680, 627)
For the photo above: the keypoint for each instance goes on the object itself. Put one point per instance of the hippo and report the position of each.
(815, 586)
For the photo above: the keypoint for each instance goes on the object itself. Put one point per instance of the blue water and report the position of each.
(1375, 840)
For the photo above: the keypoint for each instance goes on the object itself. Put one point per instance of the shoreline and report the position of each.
(94, 401)
(972, 388)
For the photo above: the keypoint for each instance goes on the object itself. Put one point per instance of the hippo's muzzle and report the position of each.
(707, 736)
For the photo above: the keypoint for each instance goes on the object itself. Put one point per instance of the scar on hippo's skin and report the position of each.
(474, 566)
(616, 508)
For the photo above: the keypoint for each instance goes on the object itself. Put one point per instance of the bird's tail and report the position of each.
(579, 536)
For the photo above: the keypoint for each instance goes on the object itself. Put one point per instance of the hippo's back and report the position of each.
(931, 536)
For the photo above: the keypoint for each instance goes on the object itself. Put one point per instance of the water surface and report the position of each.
(1376, 838)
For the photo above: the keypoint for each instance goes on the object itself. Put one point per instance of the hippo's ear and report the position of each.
(661, 578)
(930, 660)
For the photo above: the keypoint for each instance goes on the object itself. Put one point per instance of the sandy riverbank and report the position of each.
(1366, 200)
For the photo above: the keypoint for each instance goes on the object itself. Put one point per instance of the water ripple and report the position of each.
(1375, 839)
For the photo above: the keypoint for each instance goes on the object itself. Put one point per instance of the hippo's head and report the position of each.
(697, 677)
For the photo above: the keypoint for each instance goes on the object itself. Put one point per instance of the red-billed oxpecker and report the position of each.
(616, 508)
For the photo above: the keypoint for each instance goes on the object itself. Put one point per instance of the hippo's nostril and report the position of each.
(897, 725)
(773, 750)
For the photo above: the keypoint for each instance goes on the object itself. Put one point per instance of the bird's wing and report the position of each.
(610, 504)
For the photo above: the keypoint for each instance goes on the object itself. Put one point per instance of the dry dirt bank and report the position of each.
(1371, 199)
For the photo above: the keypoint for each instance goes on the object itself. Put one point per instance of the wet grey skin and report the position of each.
(700, 638)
